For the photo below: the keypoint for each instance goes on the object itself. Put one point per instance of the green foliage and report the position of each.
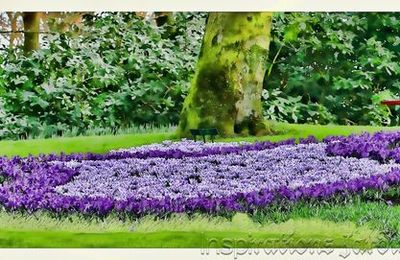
(334, 68)
(119, 71)
(278, 106)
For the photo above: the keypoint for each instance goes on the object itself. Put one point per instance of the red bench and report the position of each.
(390, 102)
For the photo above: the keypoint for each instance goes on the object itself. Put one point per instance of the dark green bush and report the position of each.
(120, 71)
(334, 68)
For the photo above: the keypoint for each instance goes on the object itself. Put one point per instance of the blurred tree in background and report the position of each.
(31, 31)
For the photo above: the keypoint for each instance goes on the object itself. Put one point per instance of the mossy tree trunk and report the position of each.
(31, 31)
(226, 89)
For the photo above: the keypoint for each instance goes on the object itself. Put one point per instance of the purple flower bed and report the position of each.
(379, 146)
(169, 149)
(191, 176)
(216, 176)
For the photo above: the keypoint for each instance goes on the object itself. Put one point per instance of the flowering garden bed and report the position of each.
(191, 176)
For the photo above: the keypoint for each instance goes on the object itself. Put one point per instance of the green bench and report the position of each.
(212, 132)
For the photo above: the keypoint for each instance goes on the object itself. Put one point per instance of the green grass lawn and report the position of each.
(102, 144)
(184, 239)
(374, 224)
(180, 231)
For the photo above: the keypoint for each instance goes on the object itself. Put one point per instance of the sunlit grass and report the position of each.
(310, 227)
(105, 143)
(81, 144)
(180, 231)
(41, 221)
(377, 215)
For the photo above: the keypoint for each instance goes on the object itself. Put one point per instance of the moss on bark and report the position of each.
(226, 89)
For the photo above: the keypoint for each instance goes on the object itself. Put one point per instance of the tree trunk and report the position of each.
(226, 89)
(12, 17)
(31, 31)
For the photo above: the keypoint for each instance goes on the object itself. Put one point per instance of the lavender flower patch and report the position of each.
(217, 176)
(167, 149)
(185, 145)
